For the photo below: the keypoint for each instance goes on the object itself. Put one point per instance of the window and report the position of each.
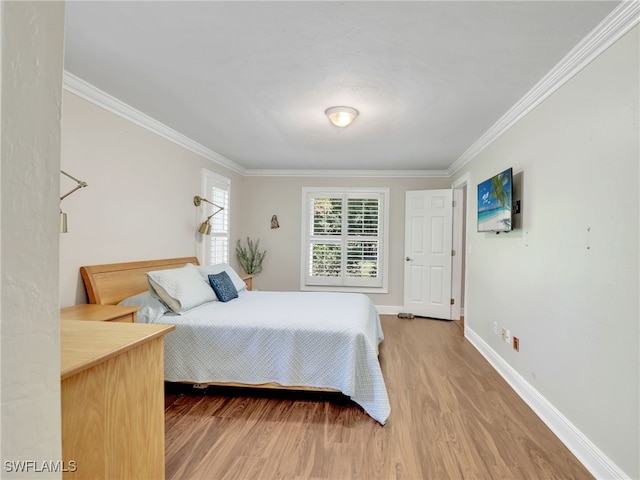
(215, 247)
(345, 239)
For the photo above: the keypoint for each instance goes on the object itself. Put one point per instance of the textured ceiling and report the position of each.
(251, 80)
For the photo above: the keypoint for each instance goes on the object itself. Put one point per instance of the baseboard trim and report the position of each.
(396, 309)
(388, 309)
(584, 449)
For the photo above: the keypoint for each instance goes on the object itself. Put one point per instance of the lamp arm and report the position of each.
(216, 212)
(72, 178)
(70, 192)
(197, 200)
(80, 183)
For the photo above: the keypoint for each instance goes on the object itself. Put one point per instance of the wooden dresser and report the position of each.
(112, 393)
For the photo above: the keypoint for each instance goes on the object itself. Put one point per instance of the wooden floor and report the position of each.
(452, 417)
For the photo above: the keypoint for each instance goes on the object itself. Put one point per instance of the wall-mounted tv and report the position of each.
(495, 202)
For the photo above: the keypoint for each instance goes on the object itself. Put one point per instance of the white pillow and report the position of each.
(181, 289)
(206, 270)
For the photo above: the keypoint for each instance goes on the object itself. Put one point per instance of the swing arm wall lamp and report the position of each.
(63, 216)
(205, 227)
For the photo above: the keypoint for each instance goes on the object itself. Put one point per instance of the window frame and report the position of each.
(211, 180)
(343, 283)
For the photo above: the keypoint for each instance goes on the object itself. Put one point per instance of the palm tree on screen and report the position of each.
(497, 189)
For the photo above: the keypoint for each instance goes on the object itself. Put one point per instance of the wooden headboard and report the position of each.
(111, 283)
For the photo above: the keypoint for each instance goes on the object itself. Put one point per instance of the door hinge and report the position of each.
(453, 301)
(453, 203)
(453, 253)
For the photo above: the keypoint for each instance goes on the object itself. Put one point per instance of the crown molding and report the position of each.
(89, 92)
(79, 87)
(620, 21)
(346, 173)
(612, 28)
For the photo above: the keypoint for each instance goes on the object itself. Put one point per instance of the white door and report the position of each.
(428, 247)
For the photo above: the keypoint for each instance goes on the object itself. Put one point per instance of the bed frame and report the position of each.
(111, 283)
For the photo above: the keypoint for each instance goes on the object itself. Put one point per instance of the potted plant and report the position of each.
(250, 257)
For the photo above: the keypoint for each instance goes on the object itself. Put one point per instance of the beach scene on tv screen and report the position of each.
(494, 203)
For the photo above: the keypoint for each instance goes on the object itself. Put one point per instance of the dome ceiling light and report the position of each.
(341, 116)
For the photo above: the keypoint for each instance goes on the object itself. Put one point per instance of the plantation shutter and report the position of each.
(363, 225)
(216, 245)
(344, 239)
(325, 248)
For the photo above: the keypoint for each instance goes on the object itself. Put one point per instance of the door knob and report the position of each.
(408, 259)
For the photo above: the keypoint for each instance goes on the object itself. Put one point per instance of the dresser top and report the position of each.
(85, 344)
(95, 312)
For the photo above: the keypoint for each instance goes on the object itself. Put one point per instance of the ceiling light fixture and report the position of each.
(341, 116)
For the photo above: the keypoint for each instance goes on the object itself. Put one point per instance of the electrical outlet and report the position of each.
(507, 337)
(504, 334)
(516, 343)
(495, 328)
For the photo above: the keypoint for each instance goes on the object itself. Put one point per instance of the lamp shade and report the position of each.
(63, 222)
(205, 228)
(341, 116)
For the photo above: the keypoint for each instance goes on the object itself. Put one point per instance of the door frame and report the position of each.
(464, 182)
(457, 245)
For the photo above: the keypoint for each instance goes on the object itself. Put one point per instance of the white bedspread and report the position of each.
(314, 339)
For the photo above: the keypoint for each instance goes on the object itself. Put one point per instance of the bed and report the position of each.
(291, 340)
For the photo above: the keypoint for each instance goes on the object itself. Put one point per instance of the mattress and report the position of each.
(303, 339)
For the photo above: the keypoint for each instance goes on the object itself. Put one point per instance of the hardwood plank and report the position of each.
(452, 416)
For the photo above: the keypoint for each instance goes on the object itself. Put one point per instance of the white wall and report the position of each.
(567, 282)
(138, 204)
(31, 73)
(266, 196)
